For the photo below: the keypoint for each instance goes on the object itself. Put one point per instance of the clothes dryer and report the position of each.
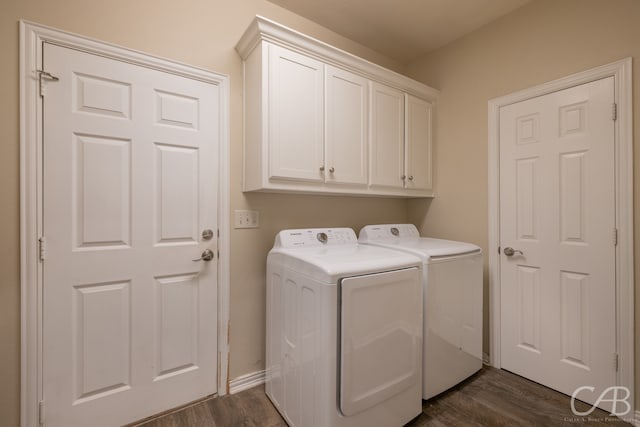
(452, 279)
(344, 331)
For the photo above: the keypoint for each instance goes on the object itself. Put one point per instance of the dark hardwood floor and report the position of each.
(492, 397)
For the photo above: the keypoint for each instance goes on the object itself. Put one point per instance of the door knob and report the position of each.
(207, 255)
(509, 251)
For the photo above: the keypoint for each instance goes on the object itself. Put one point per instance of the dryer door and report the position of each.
(381, 337)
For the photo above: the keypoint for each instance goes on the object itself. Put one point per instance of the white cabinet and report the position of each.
(346, 127)
(320, 120)
(418, 130)
(295, 116)
(400, 140)
(387, 136)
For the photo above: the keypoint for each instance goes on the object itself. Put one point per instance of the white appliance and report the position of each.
(344, 331)
(452, 278)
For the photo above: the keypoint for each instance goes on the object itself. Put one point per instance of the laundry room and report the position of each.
(243, 147)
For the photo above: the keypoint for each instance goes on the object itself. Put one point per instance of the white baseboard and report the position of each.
(486, 359)
(246, 382)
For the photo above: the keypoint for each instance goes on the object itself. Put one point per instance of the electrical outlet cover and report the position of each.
(246, 219)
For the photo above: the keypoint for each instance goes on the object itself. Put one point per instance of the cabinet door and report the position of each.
(295, 116)
(346, 113)
(387, 136)
(418, 144)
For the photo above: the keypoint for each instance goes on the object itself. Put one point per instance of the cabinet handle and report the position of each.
(331, 170)
(410, 177)
(403, 177)
(321, 168)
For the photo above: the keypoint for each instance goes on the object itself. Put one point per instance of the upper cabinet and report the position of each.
(346, 116)
(417, 160)
(320, 120)
(387, 137)
(295, 116)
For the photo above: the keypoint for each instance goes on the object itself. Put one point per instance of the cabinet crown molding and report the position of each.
(263, 29)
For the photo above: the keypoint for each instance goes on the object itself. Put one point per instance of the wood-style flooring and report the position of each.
(492, 397)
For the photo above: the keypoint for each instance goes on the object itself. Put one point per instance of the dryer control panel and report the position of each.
(315, 237)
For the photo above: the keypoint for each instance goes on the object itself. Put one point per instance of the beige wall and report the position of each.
(543, 41)
(201, 33)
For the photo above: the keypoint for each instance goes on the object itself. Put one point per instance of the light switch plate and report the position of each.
(247, 219)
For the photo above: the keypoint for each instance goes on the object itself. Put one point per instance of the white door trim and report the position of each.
(622, 73)
(31, 38)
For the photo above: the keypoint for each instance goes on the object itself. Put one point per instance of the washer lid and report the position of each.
(405, 237)
(330, 254)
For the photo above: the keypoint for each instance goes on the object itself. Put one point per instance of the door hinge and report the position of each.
(614, 112)
(42, 248)
(615, 237)
(42, 76)
(41, 413)
(616, 361)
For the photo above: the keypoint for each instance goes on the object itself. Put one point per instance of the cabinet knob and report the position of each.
(331, 170)
(410, 177)
(403, 177)
(321, 168)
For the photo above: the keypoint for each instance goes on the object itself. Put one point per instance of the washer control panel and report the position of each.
(388, 232)
(316, 237)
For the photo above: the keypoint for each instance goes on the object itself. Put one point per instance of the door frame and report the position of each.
(32, 37)
(624, 268)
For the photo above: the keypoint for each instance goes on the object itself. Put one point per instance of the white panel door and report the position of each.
(130, 183)
(557, 207)
(418, 144)
(380, 337)
(387, 136)
(296, 101)
(347, 136)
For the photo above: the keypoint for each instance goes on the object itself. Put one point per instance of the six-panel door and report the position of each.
(557, 224)
(130, 183)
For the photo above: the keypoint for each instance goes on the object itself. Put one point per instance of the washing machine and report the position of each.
(452, 279)
(343, 331)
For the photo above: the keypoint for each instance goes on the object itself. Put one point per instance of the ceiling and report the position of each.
(403, 30)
